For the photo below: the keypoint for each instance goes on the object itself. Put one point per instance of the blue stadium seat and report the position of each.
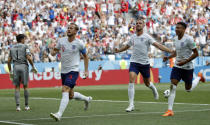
(104, 57)
(126, 56)
(118, 57)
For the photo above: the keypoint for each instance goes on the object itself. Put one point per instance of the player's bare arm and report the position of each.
(86, 65)
(193, 56)
(122, 49)
(162, 47)
(9, 67)
(29, 58)
(9, 63)
(169, 57)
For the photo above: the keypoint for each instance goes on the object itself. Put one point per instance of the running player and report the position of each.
(140, 61)
(70, 49)
(183, 69)
(19, 54)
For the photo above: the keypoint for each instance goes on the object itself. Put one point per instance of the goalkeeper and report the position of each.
(20, 55)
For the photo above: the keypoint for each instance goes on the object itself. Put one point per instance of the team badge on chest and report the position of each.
(182, 44)
(142, 39)
(73, 47)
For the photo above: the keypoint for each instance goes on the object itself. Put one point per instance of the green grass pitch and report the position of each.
(108, 107)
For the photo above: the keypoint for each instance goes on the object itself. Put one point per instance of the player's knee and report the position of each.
(71, 96)
(132, 77)
(147, 84)
(132, 80)
(65, 89)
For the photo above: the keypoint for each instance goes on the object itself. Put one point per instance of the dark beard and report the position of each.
(138, 30)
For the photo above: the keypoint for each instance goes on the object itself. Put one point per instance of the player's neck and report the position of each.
(180, 36)
(20, 43)
(138, 33)
(71, 38)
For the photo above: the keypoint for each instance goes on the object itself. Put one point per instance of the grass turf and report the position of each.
(108, 107)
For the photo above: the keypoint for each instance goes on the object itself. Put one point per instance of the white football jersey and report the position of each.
(184, 50)
(141, 45)
(70, 54)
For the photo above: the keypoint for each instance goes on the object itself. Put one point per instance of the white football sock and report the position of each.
(154, 90)
(131, 93)
(79, 96)
(171, 97)
(64, 102)
(195, 83)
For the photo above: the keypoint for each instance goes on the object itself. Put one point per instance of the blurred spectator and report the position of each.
(206, 50)
(207, 63)
(124, 7)
(101, 23)
(45, 57)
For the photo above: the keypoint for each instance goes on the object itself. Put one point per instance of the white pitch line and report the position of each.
(115, 101)
(14, 123)
(110, 115)
(149, 102)
(40, 98)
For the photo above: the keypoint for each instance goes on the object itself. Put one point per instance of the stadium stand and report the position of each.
(104, 24)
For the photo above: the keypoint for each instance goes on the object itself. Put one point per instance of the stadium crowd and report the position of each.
(104, 24)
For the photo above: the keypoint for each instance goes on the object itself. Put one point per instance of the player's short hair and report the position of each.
(183, 24)
(76, 27)
(19, 37)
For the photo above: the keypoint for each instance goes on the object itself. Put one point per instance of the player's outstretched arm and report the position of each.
(169, 57)
(162, 47)
(121, 49)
